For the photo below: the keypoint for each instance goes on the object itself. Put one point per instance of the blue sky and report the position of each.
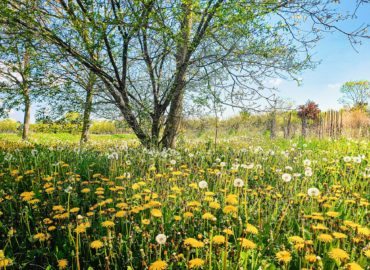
(339, 63)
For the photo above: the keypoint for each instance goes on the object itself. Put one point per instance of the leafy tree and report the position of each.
(24, 73)
(153, 51)
(308, 111)
(355, 93)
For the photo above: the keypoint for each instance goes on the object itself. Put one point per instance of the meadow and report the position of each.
(249, 203)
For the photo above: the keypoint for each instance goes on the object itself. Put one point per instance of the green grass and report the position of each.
(102, 206)
(65, 137)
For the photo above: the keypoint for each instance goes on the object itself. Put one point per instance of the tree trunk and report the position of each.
(273, 125)
(173, 119)
(176, 107)
(87, 108)
(26, 94)
(27, 116)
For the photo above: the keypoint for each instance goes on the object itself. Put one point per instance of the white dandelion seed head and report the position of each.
(161, 239)
(313, 192)
(238, 182)
(286, 177)
(203, 184)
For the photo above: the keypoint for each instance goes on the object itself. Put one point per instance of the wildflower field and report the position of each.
(243, 205)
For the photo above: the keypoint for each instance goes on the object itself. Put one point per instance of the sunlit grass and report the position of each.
(244, 204)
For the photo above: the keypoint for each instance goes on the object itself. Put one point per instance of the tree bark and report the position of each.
(27, 116)
(176, 107)
(26, 94)
(273, 125)
(88, 107)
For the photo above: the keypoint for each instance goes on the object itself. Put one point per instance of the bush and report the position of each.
(103, 127)
(9, 126)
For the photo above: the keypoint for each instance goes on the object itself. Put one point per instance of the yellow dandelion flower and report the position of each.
(121, 214)
(208, 216)
(338, 254)
(41, 237)
(80, 229)
(228, 231)
(218, 239)
(156, 213)
(188, 215)
(364, 231)
(339, 235)
(158, 265)
(299, 246)
(283, 256)
(108, 224)
(229, 209)
(196, 263)
(96, 244)
(296, 239)
(74, 210)
(332, 214)
(326, 238)
(85, 190)
(248, 244)
(353, 266)
(52, 228)
(214, 205)
(5, 262)
(311, 258)
(145, 221)
(319, 227)
(251, 229)
(232, 199)
(194, 243)
(62, 264)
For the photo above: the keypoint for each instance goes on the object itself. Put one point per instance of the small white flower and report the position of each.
(313, 192)
(307, 162)
(286, 177)
(203, 184)
(223, 164)
(357, 159)
(68, 189)
(238, 182)
(288, 168)
(250, 166)
(308, 172)
(346, 159)
(173, 162)
(161, 239)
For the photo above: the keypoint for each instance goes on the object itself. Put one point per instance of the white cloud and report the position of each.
(274, 82)
(334, 86)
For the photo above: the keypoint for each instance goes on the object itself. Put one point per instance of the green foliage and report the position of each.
(103, 127)
(355, 94)
(9, 126)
